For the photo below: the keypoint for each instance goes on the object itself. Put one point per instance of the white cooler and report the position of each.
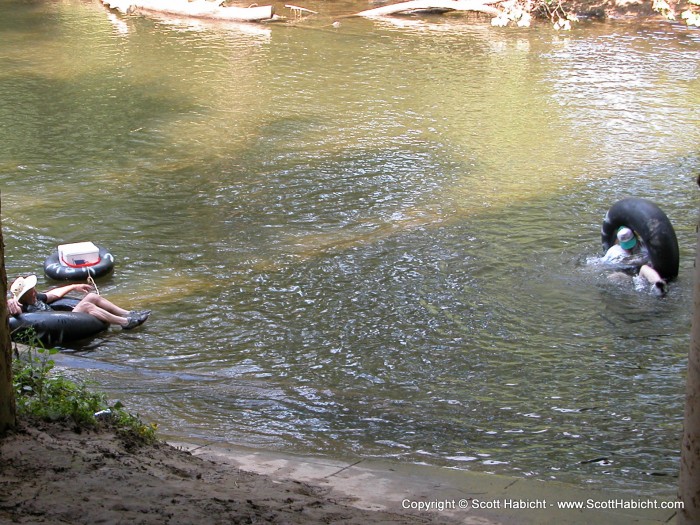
(78, 254)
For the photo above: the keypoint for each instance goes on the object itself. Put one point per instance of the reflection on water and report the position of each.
(368, 240)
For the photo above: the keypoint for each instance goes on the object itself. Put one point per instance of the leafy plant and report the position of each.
(522, 12)
(692, 18)
(691, 15)
(46, 395)
(561, 14)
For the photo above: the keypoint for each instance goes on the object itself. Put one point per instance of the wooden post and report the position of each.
(689, 481)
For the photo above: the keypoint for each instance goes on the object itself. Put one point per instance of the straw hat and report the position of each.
(22, 285)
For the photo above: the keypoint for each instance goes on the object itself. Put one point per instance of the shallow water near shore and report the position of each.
(370, 240)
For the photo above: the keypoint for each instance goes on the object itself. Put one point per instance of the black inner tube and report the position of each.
(652, 226)
(57, 271)
(52, 328)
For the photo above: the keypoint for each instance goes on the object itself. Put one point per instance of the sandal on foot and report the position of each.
(133, 322)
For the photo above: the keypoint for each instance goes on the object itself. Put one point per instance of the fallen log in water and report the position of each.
(428, 5)
(194, 9)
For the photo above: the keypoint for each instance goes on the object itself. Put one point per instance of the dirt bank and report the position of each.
(50, 474)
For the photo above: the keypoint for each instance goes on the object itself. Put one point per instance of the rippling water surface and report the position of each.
(366, 241)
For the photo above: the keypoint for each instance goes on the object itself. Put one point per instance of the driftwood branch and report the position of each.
(195, 9)
(427, 5)
(298, 9)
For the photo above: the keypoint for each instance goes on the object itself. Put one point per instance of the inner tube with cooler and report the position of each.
(651, 225)
(59, 270)
(58, 326)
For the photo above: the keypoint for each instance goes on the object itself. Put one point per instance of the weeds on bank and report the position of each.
(51, 397)
(691, 15)
(562, 16)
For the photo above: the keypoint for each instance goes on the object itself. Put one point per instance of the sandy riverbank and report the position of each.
(50, 474)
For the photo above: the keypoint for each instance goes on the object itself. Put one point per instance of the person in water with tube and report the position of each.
(25, 298)
(628, 252)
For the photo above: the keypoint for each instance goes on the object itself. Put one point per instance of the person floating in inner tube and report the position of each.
(25, 298)
(629, 254)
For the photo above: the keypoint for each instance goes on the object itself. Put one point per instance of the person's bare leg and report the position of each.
(653, 277)
(99, 313)
(650, 274)
(104, 304)
(107, 311)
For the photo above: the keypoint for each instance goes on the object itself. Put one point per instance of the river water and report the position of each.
(371, 240)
